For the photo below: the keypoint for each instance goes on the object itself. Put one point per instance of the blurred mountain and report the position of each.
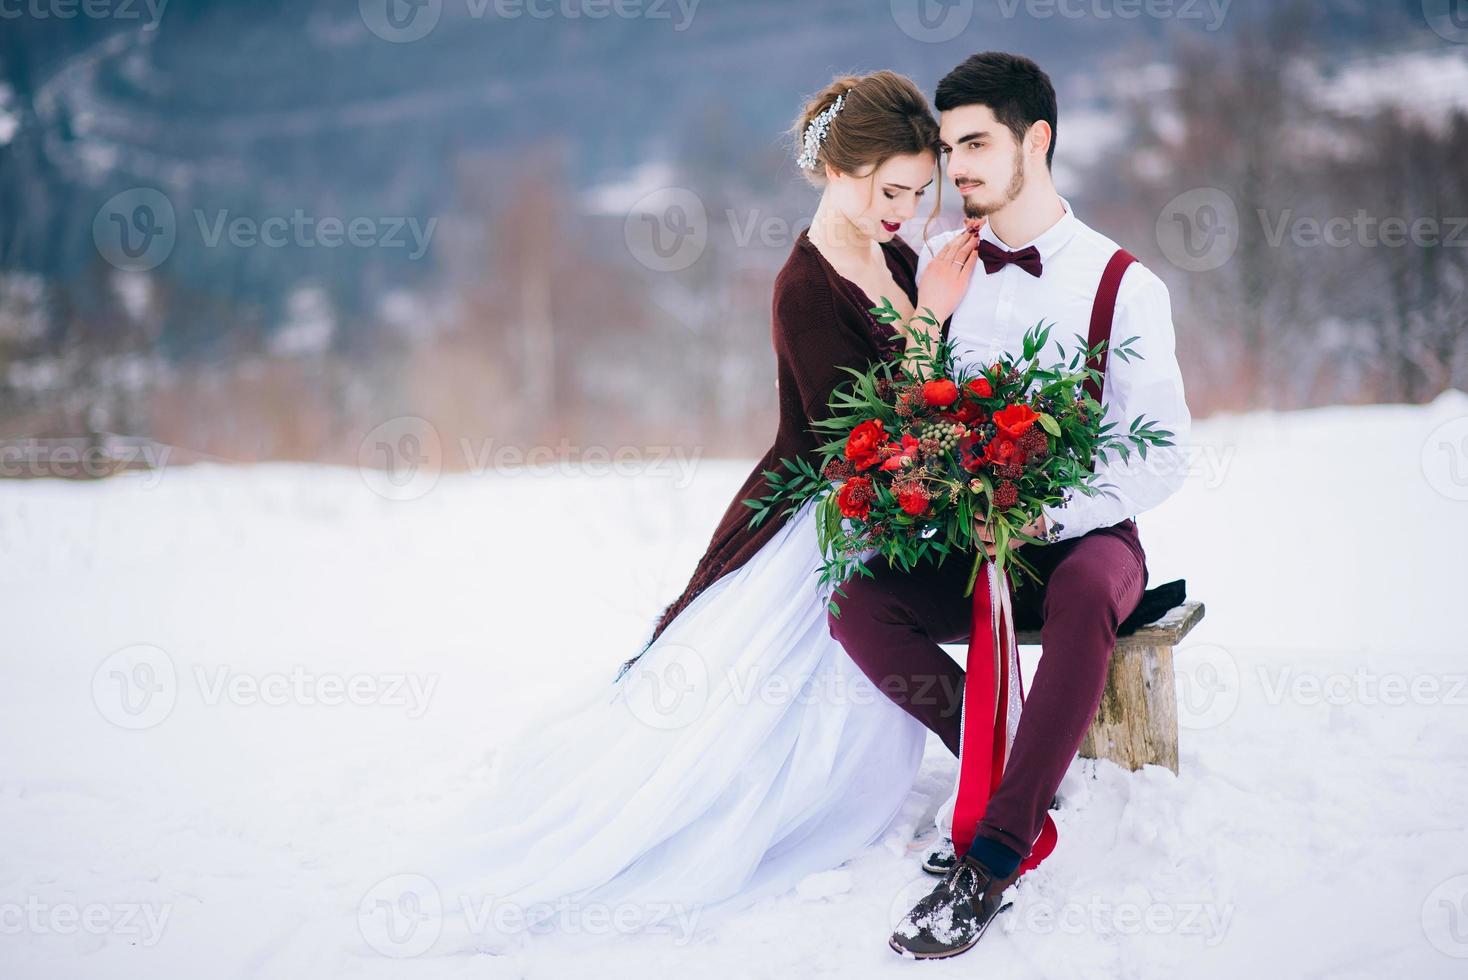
(268, 107)
(499, 154)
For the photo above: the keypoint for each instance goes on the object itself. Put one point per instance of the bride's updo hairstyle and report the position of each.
(882, 115)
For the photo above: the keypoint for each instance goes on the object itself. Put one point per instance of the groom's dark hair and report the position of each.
(1014, 88)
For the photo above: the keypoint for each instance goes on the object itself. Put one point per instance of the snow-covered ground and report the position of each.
(229, 695)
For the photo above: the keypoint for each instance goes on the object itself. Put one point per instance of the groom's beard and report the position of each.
(980, 209)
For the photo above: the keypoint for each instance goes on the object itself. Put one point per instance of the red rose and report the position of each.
(861, 445)
(1000, 451)
(1015, 420)
(980, 388)
(912, 498)
(855, 497)
(940, 393)
(968, 413)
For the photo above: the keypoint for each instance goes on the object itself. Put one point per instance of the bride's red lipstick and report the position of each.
(891, 225)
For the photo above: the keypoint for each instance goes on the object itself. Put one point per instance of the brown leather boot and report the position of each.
(954, 914)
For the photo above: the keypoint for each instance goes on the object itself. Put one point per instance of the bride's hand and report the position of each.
(946, 278)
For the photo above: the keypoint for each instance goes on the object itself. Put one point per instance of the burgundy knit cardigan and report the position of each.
(820, 322)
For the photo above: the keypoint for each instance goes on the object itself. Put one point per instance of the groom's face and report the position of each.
(985, 161)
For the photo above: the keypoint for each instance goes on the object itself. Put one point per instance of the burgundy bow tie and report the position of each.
(995, 258)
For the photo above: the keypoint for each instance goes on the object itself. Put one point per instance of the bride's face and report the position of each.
(877, 202)
(987, 164)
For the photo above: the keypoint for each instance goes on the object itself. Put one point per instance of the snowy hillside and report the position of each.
(231, 695)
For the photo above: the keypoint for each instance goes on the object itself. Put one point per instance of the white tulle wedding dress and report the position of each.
(741, 753)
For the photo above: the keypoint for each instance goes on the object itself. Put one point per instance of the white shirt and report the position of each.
(996, 311)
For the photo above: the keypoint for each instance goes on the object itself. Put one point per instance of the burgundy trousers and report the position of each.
(891, 626)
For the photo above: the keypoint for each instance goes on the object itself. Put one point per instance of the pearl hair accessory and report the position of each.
(816, 131)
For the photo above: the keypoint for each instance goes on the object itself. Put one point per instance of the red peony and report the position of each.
(855, 497)
(940, 393)
(1015, 420)
(980, 388)
(861, 445)
(912, 498)
(1000, 451)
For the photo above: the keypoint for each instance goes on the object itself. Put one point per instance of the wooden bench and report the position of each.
(1136, 722)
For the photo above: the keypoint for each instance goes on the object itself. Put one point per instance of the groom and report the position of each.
(997, 125)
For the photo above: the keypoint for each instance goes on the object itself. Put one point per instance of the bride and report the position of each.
(742, 749)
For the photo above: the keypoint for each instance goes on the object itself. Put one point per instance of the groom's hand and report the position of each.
(1035, 529)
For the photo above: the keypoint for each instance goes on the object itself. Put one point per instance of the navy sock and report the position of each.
(995, 856)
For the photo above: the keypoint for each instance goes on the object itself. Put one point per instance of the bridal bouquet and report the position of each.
(921, 450)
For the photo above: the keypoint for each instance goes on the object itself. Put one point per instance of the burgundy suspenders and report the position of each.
(1102, 313)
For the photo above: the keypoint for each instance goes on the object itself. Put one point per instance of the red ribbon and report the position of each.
(984, 739)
